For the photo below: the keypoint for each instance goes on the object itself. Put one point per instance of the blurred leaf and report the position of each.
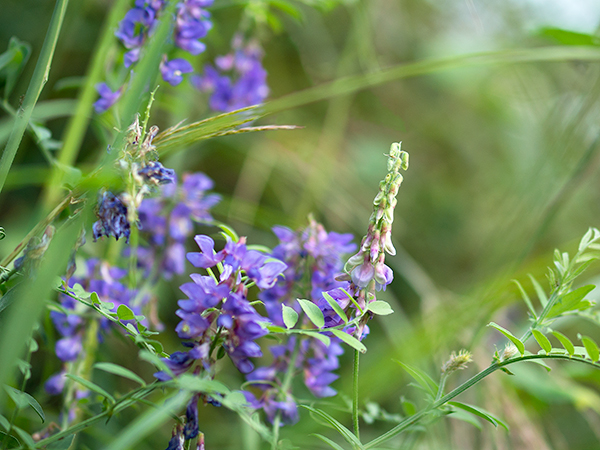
(61, 444)
(565, 341)
(461, 414)
(380, 308)
(328, 441)
(335, 306)
(350, 340)
(290, 316)
(12, 63)
(590, 347)
(526, 299)
(23, 399)
(120, 371)
(510, 336)
(313, 312)
(91, 386)
(12, 442)
(420, 377)
(345, 432)
(567, 37)
(570, 301)
(195, 384)
(25, 437)
(326, 340)
(542, 341)
(480, 412)
(8, 298)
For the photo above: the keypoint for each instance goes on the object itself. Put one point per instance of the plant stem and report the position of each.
(38, 80)
(355, 396)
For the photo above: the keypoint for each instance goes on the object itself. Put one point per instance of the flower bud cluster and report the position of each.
(457, 362)
(368, 265)
(142, 173)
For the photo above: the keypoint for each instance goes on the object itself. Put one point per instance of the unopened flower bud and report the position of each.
(457, 361)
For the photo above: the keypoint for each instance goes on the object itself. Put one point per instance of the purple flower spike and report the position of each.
(191, 429)
(107, 97)
(172, 71)
(112, 218)
(154, 172)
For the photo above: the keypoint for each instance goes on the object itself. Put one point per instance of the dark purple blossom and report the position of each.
(112, 218)
(154, 172)
(191, 429)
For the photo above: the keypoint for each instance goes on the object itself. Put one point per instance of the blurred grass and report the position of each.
(504, 167)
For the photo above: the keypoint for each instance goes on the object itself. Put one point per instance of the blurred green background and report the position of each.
(504, 164)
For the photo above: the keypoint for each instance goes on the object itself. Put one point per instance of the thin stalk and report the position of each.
(409, 421)
(441, 386)
(355, 396)
(38, 80)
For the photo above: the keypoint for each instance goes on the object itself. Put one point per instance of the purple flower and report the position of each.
(207, 257)
(247, 84)
(193, 23)
(107, 97)
(178, 363)
(68, 348)
(154, 172)
(191, 429)
(56, 383)
(112, 218)
(172, 71)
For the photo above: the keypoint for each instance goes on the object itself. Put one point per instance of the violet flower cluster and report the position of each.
(314, 258)
(192, 23)
(238, 79)
(108, 283)
(217, 312)
(166, 221)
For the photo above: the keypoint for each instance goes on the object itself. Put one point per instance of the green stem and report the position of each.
(409, 421)
(355, 396)
(38, 80)
(441, 387)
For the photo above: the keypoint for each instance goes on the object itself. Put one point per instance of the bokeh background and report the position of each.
(504, 167)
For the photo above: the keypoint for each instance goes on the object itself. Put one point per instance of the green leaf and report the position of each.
(25, 437)
(335, 306)
(13, 442)
(567, 37)
(591, 347)
(8, 298)
(4, 423)
(290, 316)
(539, 291)
(565, 341)
(526, 299)
(542, 341)
(23, 399)
(313, 312)
(344, 432)
(94, 298)
(480, 412)
(328, 441)
(125, 313)
(195, 384)
(61, 444)
(510, 336)
(569, 301)
(91, 386)
(12, 63)
(420, 377)
(326, 340)
(276, 329)
(350, 340)
(120, 371)
(466, 417)
(228, 231)
(380, 308)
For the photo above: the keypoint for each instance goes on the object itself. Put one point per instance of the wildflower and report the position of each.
(112, 218)
(245, 86)
(107, 98)
(193, 23)
(154, 172)
(172, 71)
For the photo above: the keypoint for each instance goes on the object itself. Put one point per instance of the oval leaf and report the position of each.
(510, 336)
(542, 341)
(350, 340)
(591, 347)
(565, 341)
(124, 313)
(290, 316)
(313, 312)
(380, 308)
(335, 306)
(326, 340)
